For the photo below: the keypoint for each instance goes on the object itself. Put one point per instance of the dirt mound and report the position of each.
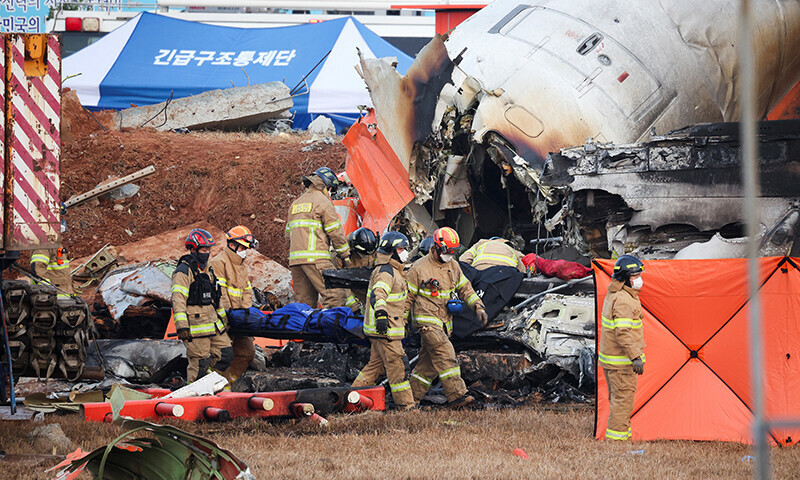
(77, 122)
(222, 178)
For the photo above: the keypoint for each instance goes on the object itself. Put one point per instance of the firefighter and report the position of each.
(363, 244)
(433, 281)
(236, 291)
(53, 267)
(385, 319)
(493, 252)
(622, 344)
(313, 225)
(423, 248)
(195, 304)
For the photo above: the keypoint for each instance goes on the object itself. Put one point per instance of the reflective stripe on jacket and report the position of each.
(44, 263)
(235, 287)
(387, 291)
(622, 332)
(492, 253)
(428, 305)
(201, 320)
(313, 225)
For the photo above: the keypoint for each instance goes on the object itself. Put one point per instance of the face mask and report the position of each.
(446, 257)
(242, 253)
(403, 256)
(202, 258)
(637, 283)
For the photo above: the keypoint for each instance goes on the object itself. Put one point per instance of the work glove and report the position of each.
(482, 316)
(184, 335)
(638, 366)
(381, 322)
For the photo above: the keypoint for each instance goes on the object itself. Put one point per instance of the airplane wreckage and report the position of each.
(612, 127)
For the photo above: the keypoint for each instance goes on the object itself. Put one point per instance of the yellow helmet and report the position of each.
(243, 236)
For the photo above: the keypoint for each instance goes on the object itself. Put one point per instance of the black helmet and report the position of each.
(626, 266)
(327, 176)
(425, 246)
(392, 240)
(363, 240)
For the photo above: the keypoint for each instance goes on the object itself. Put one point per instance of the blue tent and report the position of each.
(152, 57)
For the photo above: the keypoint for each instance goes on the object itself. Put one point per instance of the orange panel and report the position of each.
(788, 107)
(695, 404)
(377, 174)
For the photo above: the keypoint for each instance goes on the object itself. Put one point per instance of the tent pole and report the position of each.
(750, 179)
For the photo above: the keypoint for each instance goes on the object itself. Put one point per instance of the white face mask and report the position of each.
(446, 257)
(403, 256)
(637, 283)
(242, 253)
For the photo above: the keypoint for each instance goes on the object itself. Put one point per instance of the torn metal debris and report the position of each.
(659, 197)
(520, 80)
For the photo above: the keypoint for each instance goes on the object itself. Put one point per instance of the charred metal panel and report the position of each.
(690, 177)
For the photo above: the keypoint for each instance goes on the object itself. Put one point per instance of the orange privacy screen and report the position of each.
(696, 384)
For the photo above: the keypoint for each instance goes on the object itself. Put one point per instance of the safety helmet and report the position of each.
(363, 240)
(446, 240)
(392, 240)
(327, 176)
(199, 238)
(425, 245)
(626, 266)
(243, 236)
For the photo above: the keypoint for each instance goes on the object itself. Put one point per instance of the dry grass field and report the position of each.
(436, 444)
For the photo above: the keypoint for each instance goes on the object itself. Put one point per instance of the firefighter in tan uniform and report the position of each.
(492, 253)
(363, 245)
(622, 344)
(313, 225)
(433, 281)
(53, 266)
(385, 321)
(195, 304)
(236, 291)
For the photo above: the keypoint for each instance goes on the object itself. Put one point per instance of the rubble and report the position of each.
(140, 361)
(621, 198)
(229, 109)
(322, 126)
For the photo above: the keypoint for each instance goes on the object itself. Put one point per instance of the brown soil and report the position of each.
(435, 444)
(221, 178)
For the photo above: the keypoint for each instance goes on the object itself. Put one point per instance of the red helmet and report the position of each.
(446, 240)
(199, 238)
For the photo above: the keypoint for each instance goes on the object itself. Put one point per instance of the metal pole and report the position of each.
(750, 178)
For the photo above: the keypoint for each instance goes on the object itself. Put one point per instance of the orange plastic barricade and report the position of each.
(696, 383)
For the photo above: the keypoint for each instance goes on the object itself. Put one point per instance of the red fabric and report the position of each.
(709, 397)
(562, 269)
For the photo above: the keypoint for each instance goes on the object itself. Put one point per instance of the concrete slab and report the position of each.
(228, 109)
